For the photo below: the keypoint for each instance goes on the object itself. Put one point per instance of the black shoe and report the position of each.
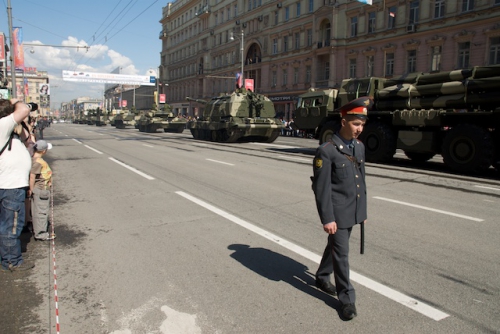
(349, 311)
(326, 286)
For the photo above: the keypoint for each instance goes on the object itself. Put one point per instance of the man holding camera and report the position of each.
(15, 166)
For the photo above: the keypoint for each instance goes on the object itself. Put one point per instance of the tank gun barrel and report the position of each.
(196, 100)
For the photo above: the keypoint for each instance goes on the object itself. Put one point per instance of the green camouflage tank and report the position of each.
(240, 116)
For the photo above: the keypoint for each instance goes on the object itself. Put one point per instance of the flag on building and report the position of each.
(239, 82)
(17, 36)
(368, 2)
(26, 88)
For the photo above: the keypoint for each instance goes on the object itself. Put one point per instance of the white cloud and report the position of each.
(98, 58)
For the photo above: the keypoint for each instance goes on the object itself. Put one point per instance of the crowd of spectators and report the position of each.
(25, 181)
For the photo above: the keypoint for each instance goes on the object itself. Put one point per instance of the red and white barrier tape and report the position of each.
(56, 299)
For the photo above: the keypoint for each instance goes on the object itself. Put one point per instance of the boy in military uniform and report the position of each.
(340, 193)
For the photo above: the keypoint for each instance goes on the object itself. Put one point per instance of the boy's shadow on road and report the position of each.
(277, 267)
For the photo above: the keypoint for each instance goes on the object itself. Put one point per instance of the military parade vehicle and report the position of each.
(163, 119)
(125, 118)
(240, 116)
(455, 114)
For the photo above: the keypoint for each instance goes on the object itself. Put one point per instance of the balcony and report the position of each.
(203, 12)
(163, 34)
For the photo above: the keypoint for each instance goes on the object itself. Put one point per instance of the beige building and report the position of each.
(32, 86)
(289, 46)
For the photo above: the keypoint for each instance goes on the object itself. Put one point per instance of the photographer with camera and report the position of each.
(15, 166)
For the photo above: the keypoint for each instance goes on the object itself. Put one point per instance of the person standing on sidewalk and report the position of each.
(15, 165)
(340, 193)
(40, 183)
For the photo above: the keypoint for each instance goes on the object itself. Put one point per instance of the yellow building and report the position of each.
(289, 46)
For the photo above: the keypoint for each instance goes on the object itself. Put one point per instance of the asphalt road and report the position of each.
(160, 233)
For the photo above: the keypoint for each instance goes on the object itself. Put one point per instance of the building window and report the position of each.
(411, 65)
(494, 51)
(287, 13)
(275, 46)
(276, 18)
(235, 10)
(274, 79)
(371, 22)
(439, 9)
(467, 5)
(298, 9)
(285, 43)
(435, 58)
(249, 5)
(463, 55)
(309, 37)
(308, 74)
(354, 26)
(414, 10)
(285, 77)
(352, 68)
(297, 41)
(327, 70)
(391, 18)
(311, 6)
(370, 64)
(295, 76)
(389, 64)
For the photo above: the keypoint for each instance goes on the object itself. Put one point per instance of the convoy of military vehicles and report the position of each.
(455, 114)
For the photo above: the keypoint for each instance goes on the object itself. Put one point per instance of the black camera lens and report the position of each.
(32, 106)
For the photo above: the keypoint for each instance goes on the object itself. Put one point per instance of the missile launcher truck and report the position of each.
(240, 116)
(163, 119)
(455, 114)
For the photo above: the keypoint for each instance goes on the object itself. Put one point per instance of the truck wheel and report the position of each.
(496, 158)
(380, 142)
(468, 148)
(327, 131)
(419, 156)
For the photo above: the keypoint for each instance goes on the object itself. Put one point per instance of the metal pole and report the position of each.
(12, 65)
(242, 60)
(158, 89)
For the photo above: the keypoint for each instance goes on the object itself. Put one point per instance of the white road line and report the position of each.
(275, 145)
(220, 162)
(79, 142)
(484, 187)
(132, 169)
(430, 209)
(148, 145)
(293, 158)
(93, 149)
(392, 294)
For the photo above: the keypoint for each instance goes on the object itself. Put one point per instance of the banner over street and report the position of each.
(108, 78)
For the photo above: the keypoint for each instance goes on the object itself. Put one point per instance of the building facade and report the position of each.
(289, 46)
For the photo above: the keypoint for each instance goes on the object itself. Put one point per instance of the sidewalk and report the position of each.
(19, 295)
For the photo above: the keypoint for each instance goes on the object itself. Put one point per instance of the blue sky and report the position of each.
(119, 32)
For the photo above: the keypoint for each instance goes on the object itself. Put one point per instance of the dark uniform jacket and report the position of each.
(339, 183)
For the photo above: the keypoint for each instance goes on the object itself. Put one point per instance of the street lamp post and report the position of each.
(231, 37)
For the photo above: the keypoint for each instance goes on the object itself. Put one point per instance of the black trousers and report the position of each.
(336, 260)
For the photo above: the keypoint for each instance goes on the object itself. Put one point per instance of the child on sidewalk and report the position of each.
(40, 183)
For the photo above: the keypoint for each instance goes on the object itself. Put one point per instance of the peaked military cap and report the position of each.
(358, 107)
